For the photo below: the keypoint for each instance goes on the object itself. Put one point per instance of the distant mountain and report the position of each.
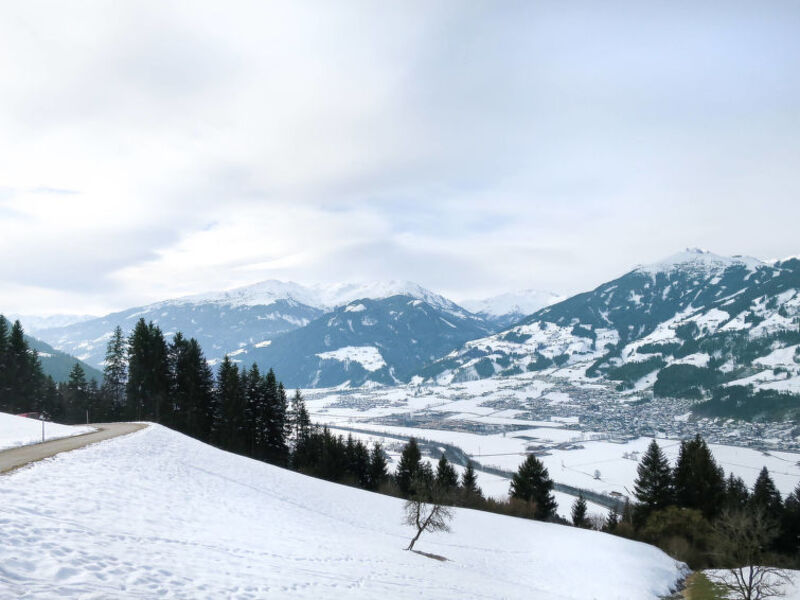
(382, 340)
(229, 321)
(58, 364)
(509, 309)
(721, 330)
(34, 323)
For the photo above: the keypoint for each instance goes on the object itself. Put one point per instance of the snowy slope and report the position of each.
(688, 326)
(156, 514)
(20, 431)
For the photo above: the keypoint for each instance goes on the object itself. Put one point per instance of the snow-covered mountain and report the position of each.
(34, 323)
(383, 340)
(694, 325)
(158, 514)
(507, 309)
(233, 320)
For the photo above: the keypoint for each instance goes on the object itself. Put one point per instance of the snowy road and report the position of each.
(17, 457)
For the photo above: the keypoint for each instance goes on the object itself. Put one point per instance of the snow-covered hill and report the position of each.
(157, 514)
(693, 325)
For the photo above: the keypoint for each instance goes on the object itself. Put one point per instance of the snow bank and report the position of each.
(20, 431)
(156, 514)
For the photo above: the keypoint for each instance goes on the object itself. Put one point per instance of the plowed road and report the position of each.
(17, 457)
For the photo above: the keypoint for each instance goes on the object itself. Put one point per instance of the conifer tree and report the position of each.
(789, 541)
(579, 512)
(469, 485)
(377, 467)
(699, 481)
(408, 467)
(78, 395)
(149, 384)
(446, 476)
(532, 483)
(299, 419)
(115, 374)
(736, 493)
(229, 422)
(766, 496)
(653, 484)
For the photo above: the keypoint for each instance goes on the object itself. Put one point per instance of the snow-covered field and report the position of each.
(20, 431)
(157, 514)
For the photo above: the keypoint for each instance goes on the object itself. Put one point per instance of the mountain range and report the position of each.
(720, 330)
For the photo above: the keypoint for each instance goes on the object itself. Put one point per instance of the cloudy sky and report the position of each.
(155, 149)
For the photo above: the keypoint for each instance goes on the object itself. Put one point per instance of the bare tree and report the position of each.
(741, 539)
(426, 516)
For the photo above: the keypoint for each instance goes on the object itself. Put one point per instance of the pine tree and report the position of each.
(408, 467)
(377, 467)
(653, 485)
(789, 541)
(78, 395)
(579, 512)
(470, 491)
(532, 483)
(229, 421)
(766, 495)
(699, 481)
(115, 374)
(149, 384)
(446, 476)
(5, 384)
(736, 493)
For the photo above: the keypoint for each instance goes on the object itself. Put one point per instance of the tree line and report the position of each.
(692, 510)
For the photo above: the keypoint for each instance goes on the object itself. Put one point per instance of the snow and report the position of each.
(523, 302)
(157, 514)
(21, 431)
(368, 357)
(700, 260)
(320, 296)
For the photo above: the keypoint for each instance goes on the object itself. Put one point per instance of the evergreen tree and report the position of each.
(579, 512)
(789, 541)
(446, 476)
(115, 374)
(736, 493)
(5, 384)
(77, 395)
(298, 419)
(766, 495)
(229, 422)
(192, 385)
(653, 484)
(408, 467)
(149, 384)
(532, 483)
(699, 481)
(470, 491)
(377, 467)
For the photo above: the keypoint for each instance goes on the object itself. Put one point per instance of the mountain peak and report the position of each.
(699, 259)
(323, 296)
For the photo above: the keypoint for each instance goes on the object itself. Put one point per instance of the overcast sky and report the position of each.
(155, 149)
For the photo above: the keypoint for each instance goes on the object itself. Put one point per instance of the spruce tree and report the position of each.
(470, 491)
(115, 374)
(579, 512)
(78, 395)
(653, 484)
(446, 476)
(377, 467)
(699, 481)
(766, 496)
(736, 493)
(408, 467)
(532, 483)
(149, 385)
(229, 422)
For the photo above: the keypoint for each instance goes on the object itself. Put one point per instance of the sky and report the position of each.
(150, 150)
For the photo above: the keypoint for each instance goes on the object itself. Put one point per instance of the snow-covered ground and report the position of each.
(20, 431)
(157, 514)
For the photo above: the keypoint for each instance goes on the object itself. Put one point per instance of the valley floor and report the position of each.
(157, 514)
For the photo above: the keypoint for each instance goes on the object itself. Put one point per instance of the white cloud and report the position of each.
(161, 148)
